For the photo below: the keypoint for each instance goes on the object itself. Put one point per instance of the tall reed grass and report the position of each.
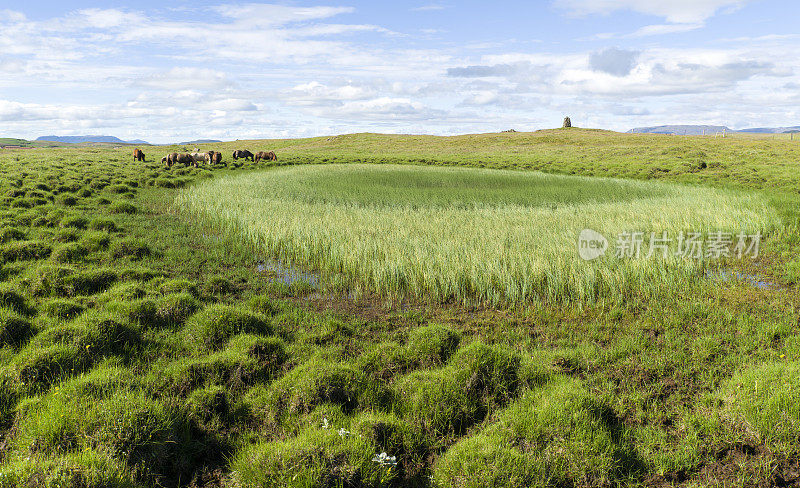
(494, 237)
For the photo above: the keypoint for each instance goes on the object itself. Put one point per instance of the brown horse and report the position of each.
(214, 157)
(138, 155)
(243, 154)
(266, 156)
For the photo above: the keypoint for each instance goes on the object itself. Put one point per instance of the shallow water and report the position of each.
(755, 281)
(287, 273)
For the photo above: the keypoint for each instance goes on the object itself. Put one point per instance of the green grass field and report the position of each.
(143, 345)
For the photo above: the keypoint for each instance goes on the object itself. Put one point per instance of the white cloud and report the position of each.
(185, 78)
(263, 15)
(674, 11)
(660, 29)
(428, 8)
(617, 62)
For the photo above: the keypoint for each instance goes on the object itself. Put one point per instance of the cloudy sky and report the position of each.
(168, 72)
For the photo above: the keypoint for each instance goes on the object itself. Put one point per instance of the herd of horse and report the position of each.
(197, 158)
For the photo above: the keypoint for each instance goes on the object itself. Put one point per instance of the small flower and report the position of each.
(385, 460)
(343, 432)
(325, 424)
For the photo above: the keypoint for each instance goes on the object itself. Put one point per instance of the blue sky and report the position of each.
(165, 72)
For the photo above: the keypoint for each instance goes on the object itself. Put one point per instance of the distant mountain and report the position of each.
(81, 139)
(681, 130)
(696, 130)
(770, 130)
(200, 141)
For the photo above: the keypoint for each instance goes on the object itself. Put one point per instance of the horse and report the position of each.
(244, 154)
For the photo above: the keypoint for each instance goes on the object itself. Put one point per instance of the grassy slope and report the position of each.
(135, 354)
(741, 161)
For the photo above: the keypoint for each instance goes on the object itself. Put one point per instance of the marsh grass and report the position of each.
(469, 235)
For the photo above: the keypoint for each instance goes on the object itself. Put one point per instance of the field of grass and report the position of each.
(141, 345)
(470, 235)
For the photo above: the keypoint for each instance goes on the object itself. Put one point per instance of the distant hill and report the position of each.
(681, 130)
(696, 130)
(771, 130)
(81, 139)
(200, 141)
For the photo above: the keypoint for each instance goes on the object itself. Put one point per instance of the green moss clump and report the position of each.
(557, 435)
(103, 224)
(69, 253)
(24, 251)
(215, 324)
(120, 207)
(62, 308)
(316, 457)
(446, 401)
(74, 221)
(432, 345)
(14, 329)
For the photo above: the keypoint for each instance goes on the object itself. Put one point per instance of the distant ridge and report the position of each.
(200, 141)
(681, 130)
(696, 130)
(82, 139)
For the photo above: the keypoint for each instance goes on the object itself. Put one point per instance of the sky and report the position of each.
(177, 71)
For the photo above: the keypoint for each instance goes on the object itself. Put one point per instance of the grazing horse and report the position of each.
(198, 157)
(138, 155)
(266, 156)
(180, 158)
(170, 159)
(214, 157)
(244, 154)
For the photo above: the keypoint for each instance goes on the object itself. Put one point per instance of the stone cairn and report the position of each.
(567, 122)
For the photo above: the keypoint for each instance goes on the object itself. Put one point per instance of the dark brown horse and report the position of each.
(214, 157)
(243, 154)
(138, 155)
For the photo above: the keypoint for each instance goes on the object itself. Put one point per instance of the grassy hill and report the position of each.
(752, 161)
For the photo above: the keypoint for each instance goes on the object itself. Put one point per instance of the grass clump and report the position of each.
(103, 224)
(69, 253)
(432, 345)
(246, 360)
(89, 282)
(316, 457)
(62, 308)
(14, 329)
(446, 401)
(215, 324)
(86, 469)
(74, 222)
(95, 240)
(315, 382)
(11, 234)
(129, 248)
(120, 207)
(43, 365)
(150, 437)
(11, 298)
(24, 251)
(557, 435)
